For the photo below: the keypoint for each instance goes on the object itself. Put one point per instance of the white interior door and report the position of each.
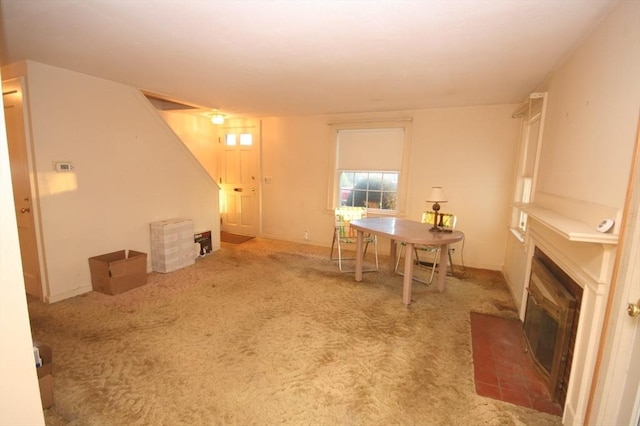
(240, 181)
(12, 93)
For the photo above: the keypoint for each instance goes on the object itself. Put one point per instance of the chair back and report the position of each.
(343, 217)
(448, 220)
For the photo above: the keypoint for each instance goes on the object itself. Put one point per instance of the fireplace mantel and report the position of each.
(566, 227)
(566, 231)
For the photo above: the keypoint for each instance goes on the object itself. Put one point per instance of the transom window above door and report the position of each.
(232, 139)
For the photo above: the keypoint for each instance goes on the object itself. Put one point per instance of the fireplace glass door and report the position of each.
(547, 324)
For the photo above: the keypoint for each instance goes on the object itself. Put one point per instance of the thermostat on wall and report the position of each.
(605, 225)
(64, 167)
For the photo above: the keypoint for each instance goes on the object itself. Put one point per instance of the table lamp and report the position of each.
(436, 196)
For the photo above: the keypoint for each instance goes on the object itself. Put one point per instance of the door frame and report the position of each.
(19, 83)
(615, 390)
(238, 126)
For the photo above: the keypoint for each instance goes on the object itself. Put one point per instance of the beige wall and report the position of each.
(594, 100)
(585, 164)
(593, 111)
(19, 393)
(589, 135)
(470, 151)
(586, 159)
(198, 134)
(129, 170)
(201, 138)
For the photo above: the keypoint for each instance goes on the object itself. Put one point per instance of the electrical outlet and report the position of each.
(306, 235)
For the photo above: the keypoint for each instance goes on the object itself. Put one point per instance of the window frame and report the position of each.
(333, 192)
(532, 113)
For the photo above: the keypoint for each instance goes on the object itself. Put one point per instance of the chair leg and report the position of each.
(435, 264)
(375, 247)
(364, 252)
(339, 256)
(451, 263)
(336, 239)
(417, 260)
(433, 267)
(398, 258)
(333, 242)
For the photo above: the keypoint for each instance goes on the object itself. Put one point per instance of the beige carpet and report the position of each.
(268, 332)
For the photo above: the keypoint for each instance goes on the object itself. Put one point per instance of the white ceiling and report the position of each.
(274, 58)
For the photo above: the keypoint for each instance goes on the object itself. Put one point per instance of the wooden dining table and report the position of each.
(411, 233)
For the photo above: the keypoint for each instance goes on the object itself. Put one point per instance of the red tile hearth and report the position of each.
(503, 369)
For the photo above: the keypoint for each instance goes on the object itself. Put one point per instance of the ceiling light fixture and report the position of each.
(217, 118)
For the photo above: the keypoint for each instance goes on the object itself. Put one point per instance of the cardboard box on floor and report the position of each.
(45, 378)
(115, 273)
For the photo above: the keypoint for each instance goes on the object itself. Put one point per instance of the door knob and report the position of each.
(23, 210)
(633, 309)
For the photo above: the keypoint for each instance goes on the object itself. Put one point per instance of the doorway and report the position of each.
(13, 94)
(240, 180)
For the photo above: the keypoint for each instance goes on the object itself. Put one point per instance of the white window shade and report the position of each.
(370, 149)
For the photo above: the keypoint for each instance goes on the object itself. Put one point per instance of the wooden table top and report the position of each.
(408, 231)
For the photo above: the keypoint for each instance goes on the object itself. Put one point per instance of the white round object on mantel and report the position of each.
(605, 225)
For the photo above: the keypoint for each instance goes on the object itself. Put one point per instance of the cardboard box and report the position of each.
(115, 273)
(45, 378)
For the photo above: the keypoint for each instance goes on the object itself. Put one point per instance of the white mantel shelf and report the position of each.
(571, 229)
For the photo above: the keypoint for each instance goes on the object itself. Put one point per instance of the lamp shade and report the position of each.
(437, 195)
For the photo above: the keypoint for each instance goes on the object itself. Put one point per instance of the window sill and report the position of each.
(517, 234)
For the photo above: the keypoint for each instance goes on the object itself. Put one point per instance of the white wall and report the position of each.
(295, 154)
(129, 170)
(200, 136)
(594, 101)
(470, 151)
(585, 164)
(592, 114)
(19, 393)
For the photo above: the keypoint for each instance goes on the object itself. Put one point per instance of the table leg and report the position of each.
(408, 274)
(442, 267)
(359, 254)
(392, 255)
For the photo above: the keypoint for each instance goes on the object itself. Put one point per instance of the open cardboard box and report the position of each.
(45, 378)
(117, 272)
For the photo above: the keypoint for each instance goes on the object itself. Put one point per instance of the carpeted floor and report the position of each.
(269, 332)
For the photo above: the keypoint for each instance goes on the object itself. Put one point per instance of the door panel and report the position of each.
(12, 91)
(239, 181)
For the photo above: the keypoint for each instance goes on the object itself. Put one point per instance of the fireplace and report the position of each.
(550, 323)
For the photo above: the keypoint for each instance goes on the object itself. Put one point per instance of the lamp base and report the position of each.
(436, 227)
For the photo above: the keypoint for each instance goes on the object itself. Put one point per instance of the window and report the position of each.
(532, 114)
(370, 168)
(374, 190)
(246, 139)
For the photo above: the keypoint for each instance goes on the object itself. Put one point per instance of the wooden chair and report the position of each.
(447, 222)
(344, 234)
